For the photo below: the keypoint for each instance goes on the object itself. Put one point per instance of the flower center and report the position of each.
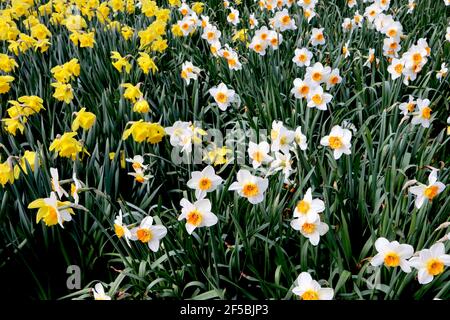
(426, 112)
(304, 90)
(221, 97)
(317, 99)
(335, 142)
(310, 295)
(302, 57)
(119, 231)
(194, 217)
(317, 76)
(319, 37)
(435, 267)
(52, 217)
(392, 259)
(334, 79)
(144, 235)
(398, 68)
(431, 192)
(285, 20)
(308, 228)
(417, 58)
(258, 156)
(303, 206)
(410, 107)
(204, 183)
(250, 189)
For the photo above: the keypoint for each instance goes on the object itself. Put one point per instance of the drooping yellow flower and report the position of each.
(6, 173)
(74, 23)
(67, 146)
(40, 32)
(103, 12)
(176, 30)
(83, 119)
(146, 63)
(87, 39)
(141, 106)
(197, 7)
(7, 64)
(156, 133)
(28, 157)
(120, 62)
(127, 32)
(31, 104)
(218, 156)
(5, 83)
(131, 93)
(63, 91)
(117, 5)
(67, 71)
(144, 131)
(159, 45)
(175, 3)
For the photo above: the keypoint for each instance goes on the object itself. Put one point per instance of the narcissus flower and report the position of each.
(338, 141)
(144, 131)
(120, 229)
(302, 57)
(146, 63)
(300, 139)
(83, 119)
(75, 187)
(281, 137)
(308, 289)
(233, 17)
(7, 64)
(5, 83)
(204, 181)
(197, 214)
(408, 107)
(259, 153)
(141, 106)
(63, 92)
(67, 146)
(149, 233)
(392, 254)
(308, 209)
(318, 99)
(430, 262)
(189, 72)
(29, 157)
(222, 96)
(56, 187)
(423, 114)
(120, 63)
(52, 211)
(302, 88)
(312, 230)
(99, 292)
(317, 37)
(317, 73)
(132, 92)
(425, 193)
(6, 173)
(250, 186)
